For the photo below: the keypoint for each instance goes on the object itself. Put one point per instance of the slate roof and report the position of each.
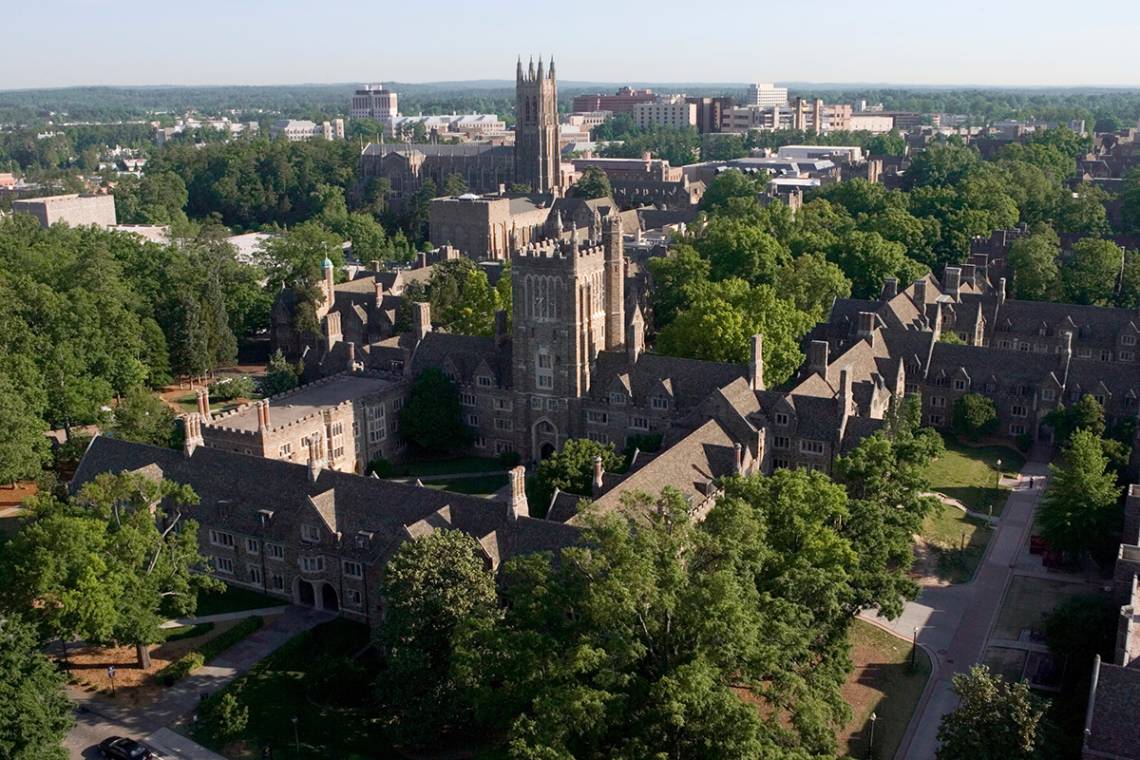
(691, 380)
(1112, 727)
(438, 149)
(466, 353)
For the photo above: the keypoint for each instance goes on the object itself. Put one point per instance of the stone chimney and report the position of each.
(920, 295)
(204, 403)
(969, 274)
(517, 506)
(262, 408)
(332, 329)
(314, 457)
(421, 319)
(635, 340)
(501, 331)
(890, 288)
(1001, 291)
(845, 400)
(193, 433)
(614, 294)
(599, 477)
(421, 260)
(351, 356)
(375, 264)
(379, 286)
(952, 282)
(867, 326)
(738, 459)
(756, 364)
(818, 357)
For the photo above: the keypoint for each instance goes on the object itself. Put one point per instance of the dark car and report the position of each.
(121, 748)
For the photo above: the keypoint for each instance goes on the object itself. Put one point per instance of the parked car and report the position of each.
(122, 748)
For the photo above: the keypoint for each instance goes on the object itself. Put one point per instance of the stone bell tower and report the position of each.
(537, 160)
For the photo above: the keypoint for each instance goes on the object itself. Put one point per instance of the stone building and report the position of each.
(74, 210)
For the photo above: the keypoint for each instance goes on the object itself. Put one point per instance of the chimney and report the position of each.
(501, 333)
(890, 288)
(818, 357)
(262, 408)
(421, 260)
(738, 459)
(599, 473)
(351, 357)
(867, 326)
(332, 329)
(314, 457)
(1001, 290)
(919, 296)
(969, 274)
(517, 506)
(204, 403)
(844, 399)
(379, 293)
(193, 433)
(635, 340)
(614, 280)
(421, 319)
(756, 364)
(376, 265)
(952, 281)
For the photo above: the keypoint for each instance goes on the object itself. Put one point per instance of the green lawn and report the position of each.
(1027, 601)
(883, 682)
(969, 474)
(480, 485)
(307, 679)
(185, 632)
(189, 403)
(447, 466)
(957, 540)
(234, 599)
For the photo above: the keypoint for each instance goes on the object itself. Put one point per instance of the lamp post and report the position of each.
(914, 649)
(998, 483)
(296, 736)
(871, 743)
(111, 675)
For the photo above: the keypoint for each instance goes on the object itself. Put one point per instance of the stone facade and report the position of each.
(74, 210)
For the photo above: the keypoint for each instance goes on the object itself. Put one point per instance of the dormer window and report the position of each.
(311, 534)
(959, 385)
(659, 402)
(1128, 340)
(617, 398)
(782, 419)
(484, 381)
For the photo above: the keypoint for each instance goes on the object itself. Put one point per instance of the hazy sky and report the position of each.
(1012, 42)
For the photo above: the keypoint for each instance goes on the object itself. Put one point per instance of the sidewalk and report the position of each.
(222, 617)
(954, 621)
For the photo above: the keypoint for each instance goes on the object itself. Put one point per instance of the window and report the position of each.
(480, 442)
(472, 420)
(251, 546)
(535, 403)
(1048, 394)
(639, 423)
(1100, 399)
(545, 381)
(1106, 355)
(313, 564)
(544, 369)
(1128, 340)
(934, 419)
(397, 404)
(1126, 356)
(1018, 410)
(782, 419)
(1023, 346)
(504, 404)
(1016, 429)
(937, 402)
(224, 565)
(484, 382)
(597, 418)
(353, 569)
(275, 551)
(959, 385)
(285, 450)
(964, 337)
(277, 582)
(467, 399)
(353, 599)
(310, 533)
(375, 422)
(221, 538)
(503, 424)
(598, 437)
(255, 575)
(1085, 353)
(1003, 343)
(551, 404)
(781, 442)
(811, 447)
(502, 447)
(617, 398)
(544, 360)
(659, 402)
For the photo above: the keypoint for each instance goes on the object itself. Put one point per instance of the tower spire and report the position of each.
(530, 72)
(541, 75)
(518, 70)
(552, 67)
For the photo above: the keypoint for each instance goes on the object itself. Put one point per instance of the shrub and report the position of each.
(380, 467)
(227, 389)
(227, 718)
(180, 668)
(509, 459)
(974, 416)
(1024, 442)
(228, 638)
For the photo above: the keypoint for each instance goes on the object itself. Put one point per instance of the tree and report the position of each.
(1079, 511)
(868, 260)
(280, 375)
(674, 278)
(594, 183)
(1033, 260)
(23, 445)
(1130, 201)
(454, 184)
(432, 418)
(974, 415)
(226, 718)
(813, 283)
(994, 720)
(571, 468)
(1085, 414)
(1090, 273)
(35, 713)
(431, 586)
(889, 144)
(142, 417)
(1082, 211)
(462, 299)
(736, 248)
(1080, 627)
(729, 185)
(295, 261)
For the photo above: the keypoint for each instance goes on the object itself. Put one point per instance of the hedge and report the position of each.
(190, 662)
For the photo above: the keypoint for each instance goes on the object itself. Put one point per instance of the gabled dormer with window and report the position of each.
(619, 391)
(661, 395)
(960, 380)
(451, 371)
(484, 376)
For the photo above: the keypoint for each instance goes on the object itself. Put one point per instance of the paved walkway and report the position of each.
(222, 617)
(954, 621)
(99, 716)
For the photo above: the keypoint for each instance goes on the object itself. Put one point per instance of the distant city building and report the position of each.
(765, 95)
(473, 125)
(190, 122)
(710, 112)
(75, 210)
(300, 130)
(851, 154)
(622, 101)
(673, 112)
(804, 116)
(372, 101)
(868, 121)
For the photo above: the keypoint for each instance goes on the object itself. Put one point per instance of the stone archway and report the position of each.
(546, 451)
(305, 594)
(543, 438)
(329, 599)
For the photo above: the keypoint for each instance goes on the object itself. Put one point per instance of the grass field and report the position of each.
(1027, 601)
(481, 485)
(969, 474)
(303, 680)
(957, 542)
(234, 599)
(883, 682)
(447, 466)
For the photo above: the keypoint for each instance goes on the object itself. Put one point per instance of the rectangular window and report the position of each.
(1016, 429)
(639, 423)
(221, 538)
(353, 599)
(275, 551)
(224, 565)
(313, 564)
(1018, 410)
(1003, 343)
(937, 402)
(551, 404)
(503, 424)
(480, 442)
(1048, 394)
(545, 381)
(255, 575)
(1085, 353)
(285, 450)
(1106, 356)
(535, 403)
(376, 423)
(504, 404)
(780, 464)
(484, 381)
(502, 447)
(310, 533)
(959, 385)
(353, 569)
(660, 402)
(1126, 356)
(781, 442)
(598, 437)
(811, 447)
(467, 399)
(472, 420)
(1023, 346)
(617, 399)
(781, 419)
(251, 546)
(1128, 340)
(934, 419)
(277, 582)
(597, 418)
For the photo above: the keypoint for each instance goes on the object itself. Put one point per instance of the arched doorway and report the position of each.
(544, 438)
(328, 598)
(546, 451)
(305, 594)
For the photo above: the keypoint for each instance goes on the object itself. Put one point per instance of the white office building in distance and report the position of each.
(299, 130)
(766, 94)
(673, 112)
(372, 101)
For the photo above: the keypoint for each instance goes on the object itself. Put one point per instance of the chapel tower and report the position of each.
(537, 162)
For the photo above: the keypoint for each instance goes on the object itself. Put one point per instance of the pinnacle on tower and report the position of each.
(552, 67)
(518, 70)
(540, 74)
(530, 73)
